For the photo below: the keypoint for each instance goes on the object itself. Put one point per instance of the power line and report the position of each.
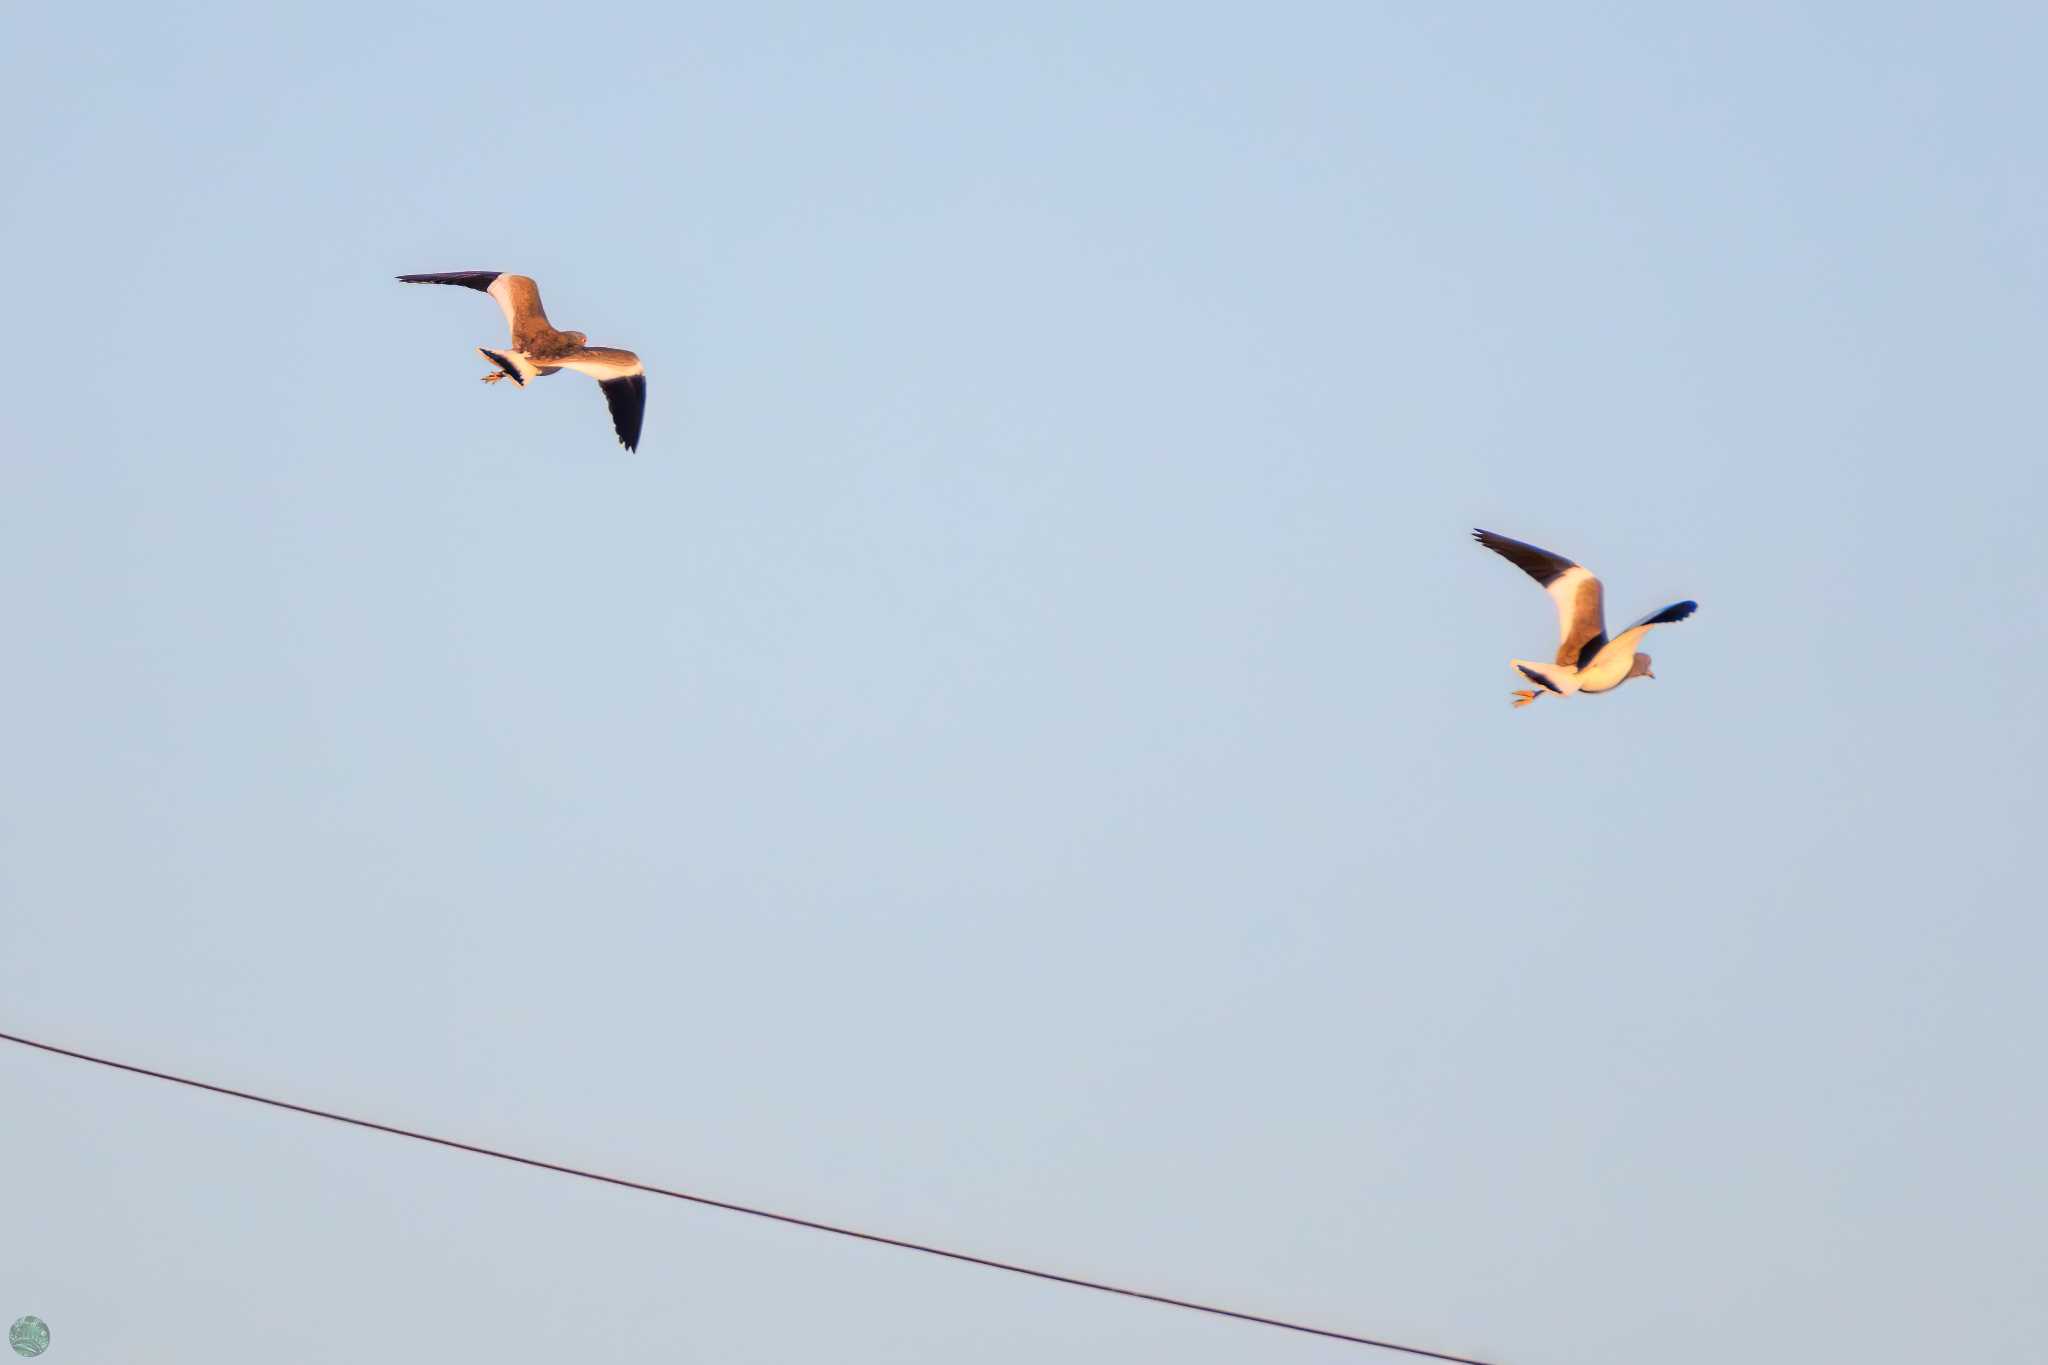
(791, 1219)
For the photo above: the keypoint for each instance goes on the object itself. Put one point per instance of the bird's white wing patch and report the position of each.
(602, 364)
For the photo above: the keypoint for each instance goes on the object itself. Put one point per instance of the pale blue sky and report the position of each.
(1021, 757)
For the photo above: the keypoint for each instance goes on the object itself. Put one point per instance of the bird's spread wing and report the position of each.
(1626, 642)
(624, 381)
(1581, 622)
(518, 297)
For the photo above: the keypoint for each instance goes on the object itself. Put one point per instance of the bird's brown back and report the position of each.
(530, 326)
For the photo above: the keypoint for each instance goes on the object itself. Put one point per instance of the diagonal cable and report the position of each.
(752, 1212)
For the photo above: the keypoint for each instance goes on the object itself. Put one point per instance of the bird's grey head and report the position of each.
(1641, 668)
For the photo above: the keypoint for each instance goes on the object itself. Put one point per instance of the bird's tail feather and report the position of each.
(517, 367)
(1550, 677)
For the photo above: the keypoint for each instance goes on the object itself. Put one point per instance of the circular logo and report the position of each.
(30, 1336)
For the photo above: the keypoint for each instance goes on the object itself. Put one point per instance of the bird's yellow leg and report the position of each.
(495, 375)
(1522, 699)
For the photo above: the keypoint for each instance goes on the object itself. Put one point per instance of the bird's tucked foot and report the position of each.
(1522, 699)
(494, 376)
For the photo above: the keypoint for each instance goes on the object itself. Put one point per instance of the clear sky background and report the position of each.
(1021, 757)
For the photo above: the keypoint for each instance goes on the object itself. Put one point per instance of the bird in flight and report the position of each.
(1587, 661)
(537, 349)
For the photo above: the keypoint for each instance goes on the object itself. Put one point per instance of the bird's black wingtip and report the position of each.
(1545, 566)
(627, 399)
(469, 279)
